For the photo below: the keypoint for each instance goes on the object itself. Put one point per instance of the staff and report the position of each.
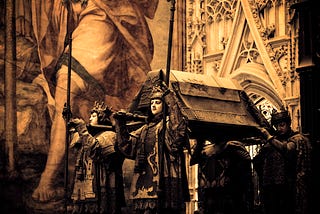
(67, 109)
(167, 78)
(172, 9)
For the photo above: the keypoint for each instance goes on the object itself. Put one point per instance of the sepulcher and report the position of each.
(213, 106)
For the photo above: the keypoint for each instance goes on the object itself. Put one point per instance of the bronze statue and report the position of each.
(284, 166)
(159, 183)
(98, 184)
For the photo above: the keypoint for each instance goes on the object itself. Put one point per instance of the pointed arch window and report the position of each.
(273, 16)
(219, 15)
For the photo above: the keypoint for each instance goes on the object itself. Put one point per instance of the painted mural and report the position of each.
(114, 44)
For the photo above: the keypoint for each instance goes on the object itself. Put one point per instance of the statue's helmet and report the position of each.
(156, 93)
(282, 116)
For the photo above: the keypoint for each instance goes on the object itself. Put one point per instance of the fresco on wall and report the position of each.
(114, 44)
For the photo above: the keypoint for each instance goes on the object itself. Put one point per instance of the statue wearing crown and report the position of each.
(98, 180)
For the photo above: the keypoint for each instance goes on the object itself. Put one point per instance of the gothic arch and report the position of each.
(255, 81)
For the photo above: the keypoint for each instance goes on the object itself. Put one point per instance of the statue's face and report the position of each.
(93, 119)
(282, 128)
(156, 106)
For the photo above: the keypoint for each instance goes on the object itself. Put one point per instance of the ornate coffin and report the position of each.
(213, 106)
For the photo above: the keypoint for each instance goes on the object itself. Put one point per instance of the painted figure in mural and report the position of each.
(283, 165)
(159, 183)
(98, 184)
(112, 49)
(225, 179)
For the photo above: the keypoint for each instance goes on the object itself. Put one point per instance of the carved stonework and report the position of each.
(224, 42)
(196, 34)
(280, 51)
(293, 45)
(262, 4)
(216, 66)
(211, 23)
(249, 51)
(197, 65)
(270, 30)
(281, 54)
(220, 10)
(264, 36)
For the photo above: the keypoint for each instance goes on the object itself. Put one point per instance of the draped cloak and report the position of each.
(116, 66)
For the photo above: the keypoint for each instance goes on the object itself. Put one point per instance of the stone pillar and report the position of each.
(179, 37)
(309, 72)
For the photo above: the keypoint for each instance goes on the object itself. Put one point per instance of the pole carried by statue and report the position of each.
(166, 80)
(169, 51)
(67, 108)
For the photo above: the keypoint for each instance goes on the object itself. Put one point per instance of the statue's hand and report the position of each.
(79, 125)
(208, 150)
(265, 133)
(74, 122)
(121, 115)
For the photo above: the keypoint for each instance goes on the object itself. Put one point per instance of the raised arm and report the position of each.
(177, 128)
(281, 146)
(126, 142)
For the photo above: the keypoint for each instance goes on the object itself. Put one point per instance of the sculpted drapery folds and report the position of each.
(112, 48)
